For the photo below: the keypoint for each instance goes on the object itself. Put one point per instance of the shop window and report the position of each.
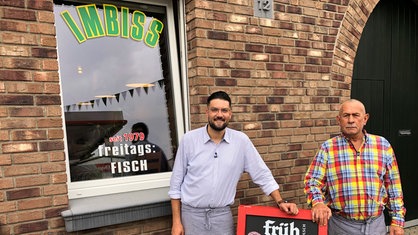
(120, 80)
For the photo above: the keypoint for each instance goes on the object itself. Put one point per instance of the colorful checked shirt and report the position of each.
(356, 183)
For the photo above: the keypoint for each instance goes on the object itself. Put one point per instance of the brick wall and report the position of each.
(286, 77)
(32, 167)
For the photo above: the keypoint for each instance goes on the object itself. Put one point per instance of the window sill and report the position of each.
(101, 211)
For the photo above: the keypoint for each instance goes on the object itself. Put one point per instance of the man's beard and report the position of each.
(217, 128)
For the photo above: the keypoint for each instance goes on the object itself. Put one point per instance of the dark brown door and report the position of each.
(385, 78)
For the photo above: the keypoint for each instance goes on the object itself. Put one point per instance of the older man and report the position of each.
(353, 177)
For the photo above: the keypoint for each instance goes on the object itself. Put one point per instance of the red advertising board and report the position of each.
(265, 220)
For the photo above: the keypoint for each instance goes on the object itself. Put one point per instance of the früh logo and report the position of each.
(263, 220)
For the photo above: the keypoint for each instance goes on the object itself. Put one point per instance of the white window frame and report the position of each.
(151, 184)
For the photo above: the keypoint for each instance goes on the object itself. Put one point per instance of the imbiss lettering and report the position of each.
(280, 229)
(114, 24)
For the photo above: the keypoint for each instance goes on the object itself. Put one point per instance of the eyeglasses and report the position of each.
(216, 110)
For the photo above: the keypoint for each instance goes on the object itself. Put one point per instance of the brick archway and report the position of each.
(347, 41)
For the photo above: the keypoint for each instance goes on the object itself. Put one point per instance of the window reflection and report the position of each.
(109, 85)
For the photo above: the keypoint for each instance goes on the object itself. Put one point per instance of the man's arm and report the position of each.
(392, 182)
(321, 213)
(177, 228)
(289, 208)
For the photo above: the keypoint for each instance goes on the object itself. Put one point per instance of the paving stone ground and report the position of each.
(411, 230)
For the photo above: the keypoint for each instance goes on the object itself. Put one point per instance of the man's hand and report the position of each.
(177, 229)
(321, 214)
(395, 230)
(289, 208)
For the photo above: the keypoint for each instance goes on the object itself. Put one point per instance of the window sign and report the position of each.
(267, 220)
(115, 90)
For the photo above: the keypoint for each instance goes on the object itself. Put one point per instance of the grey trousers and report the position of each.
(339, 225)
(210, 221)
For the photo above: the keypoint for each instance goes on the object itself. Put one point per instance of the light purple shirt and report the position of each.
(205, 174)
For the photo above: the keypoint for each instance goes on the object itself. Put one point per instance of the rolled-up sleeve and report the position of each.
(394, 189)
(178, 173)
(314, 179)
(258, 170)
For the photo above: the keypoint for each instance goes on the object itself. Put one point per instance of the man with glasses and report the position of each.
(207, 168)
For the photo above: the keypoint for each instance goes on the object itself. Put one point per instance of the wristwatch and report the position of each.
(281, 201)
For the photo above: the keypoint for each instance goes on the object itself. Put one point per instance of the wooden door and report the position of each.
(385, 78)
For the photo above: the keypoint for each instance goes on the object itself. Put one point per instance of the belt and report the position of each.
(344, 215)
(207, 212)
(205, 209)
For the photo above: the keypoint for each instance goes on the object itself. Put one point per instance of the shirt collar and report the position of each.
(206, 137)
(366, 136)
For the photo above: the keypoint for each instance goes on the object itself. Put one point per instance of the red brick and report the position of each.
(56, 189)
(5, 159)
(51, 145)
(24, 216)
(9, 25)
(44, 52)
(54, 212)
(40, 5)
(51, 65)
(53, 167)
(26, 112)
(15, 75)
(50, 123)
(28, 135)
(23, 193)
(49, 41)
(59, 178)
(8, 207)
(17, 123)
(53, 111)
(57, 156)
(6, 183)
(16, 100)
(60, 200)
(12, 3)
(19, 147)
(24, 88)
(18, 14)
(52, 88)
(19, 170)
(226, 82)
(31, 227)
(47, 100)
(49, 76)
(22, 63)
(35, 180)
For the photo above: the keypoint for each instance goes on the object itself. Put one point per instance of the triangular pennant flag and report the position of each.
(67, 108)
(97, 101)
(104, 99)
(124, 95)
(146, 89)
(138, 91)
(161, 83)
(79, 106)
(132, 92)
(117, 97)
(92, 103)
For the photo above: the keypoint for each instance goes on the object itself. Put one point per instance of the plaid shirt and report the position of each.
(357, 183)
